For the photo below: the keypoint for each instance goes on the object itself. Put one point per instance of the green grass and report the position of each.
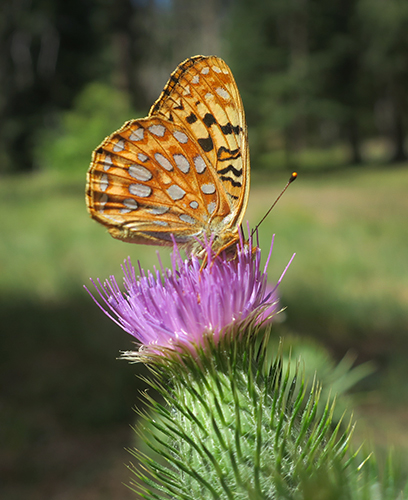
(49, 245)
(348, 283)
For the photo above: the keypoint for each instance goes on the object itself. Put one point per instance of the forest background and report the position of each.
(325, 90)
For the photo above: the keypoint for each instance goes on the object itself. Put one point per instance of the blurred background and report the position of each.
(325, 89)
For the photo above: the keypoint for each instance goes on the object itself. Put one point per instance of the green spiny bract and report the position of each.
(237, 425)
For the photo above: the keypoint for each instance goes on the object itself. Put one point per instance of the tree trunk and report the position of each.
(398, 137)
(353, 137)
(127, 44)
(299, 50)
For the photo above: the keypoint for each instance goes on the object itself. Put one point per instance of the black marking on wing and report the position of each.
(99, 151)
(167, 90)
(174, 80)
(206, 144)
(233, 153)
(230, 129)
(234, 183)
(233, 196)
(191, 118)
(180, 106)
(232, 169)
(209, 120)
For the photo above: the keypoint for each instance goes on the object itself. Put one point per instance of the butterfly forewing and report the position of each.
(202, 96)
(183, 170)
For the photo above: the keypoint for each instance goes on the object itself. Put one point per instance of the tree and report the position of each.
(384, 30)
(47, 53)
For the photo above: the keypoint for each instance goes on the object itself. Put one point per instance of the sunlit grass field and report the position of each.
(347, 288)
(348, 283)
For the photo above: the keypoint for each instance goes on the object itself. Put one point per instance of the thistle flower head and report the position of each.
(178, 308)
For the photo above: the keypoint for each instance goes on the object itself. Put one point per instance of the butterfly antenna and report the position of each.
(292, 178)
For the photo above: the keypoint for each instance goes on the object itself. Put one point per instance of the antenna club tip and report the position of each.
(293, 176)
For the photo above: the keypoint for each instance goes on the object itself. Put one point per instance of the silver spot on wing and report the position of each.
(163, 161)
(157, 130)
(140, 190)
(187, 218)
(119, 146)
(137, 135)
(199, 164)
(130, 205)
(175, 192)
(208, 188)
(140, 173)
(104, 182)
(180, 136)
(182, 163)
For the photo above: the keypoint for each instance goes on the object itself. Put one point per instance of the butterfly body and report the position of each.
(183, 171)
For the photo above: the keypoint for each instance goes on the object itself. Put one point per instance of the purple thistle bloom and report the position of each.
(179, 307)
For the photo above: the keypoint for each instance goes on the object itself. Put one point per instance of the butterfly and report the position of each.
(181, 173)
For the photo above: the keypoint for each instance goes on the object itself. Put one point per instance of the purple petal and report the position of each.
(181, 305)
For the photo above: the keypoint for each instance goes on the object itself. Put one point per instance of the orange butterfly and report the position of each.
(183, 170)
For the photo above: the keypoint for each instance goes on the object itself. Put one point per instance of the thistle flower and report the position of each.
(178, 308)
(235, 422)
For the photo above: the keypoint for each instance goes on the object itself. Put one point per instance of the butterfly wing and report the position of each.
(149, 180)
(202, 96)
(181, 171)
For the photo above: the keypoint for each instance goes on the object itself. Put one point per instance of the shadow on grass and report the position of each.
(66, 401)
(64, 394)
(340, 325)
